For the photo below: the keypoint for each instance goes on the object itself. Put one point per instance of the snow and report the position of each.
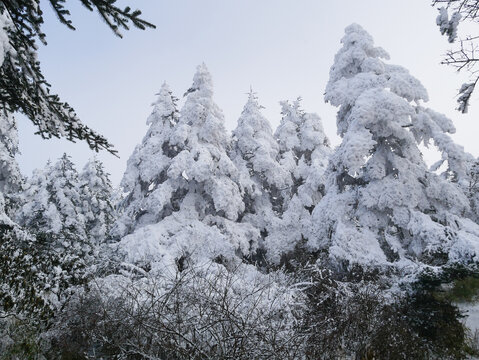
(389, 206)
(446, 26)
(198, 203)
(96, 193)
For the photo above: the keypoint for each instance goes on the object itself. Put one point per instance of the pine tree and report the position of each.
(38, 214)
(287, 136)
(96, 194)
(64, 192)
(32, 284)
(27, 275)
(255, 152)
(303, 146)
(44, 257)
(202, 167)
(203, 190)
(304, 153)
(145, 180)
(383, 206)
(52, 211)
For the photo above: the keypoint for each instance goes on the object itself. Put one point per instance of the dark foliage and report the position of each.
(31, 276)
(358, 318)
(23, 87)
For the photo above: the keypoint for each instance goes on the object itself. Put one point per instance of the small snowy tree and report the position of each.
(304, 153)
(202, 187)
(303, 146)
(255, 153)
(383, 206)
(52, 211)
(145, 180)
(96, 194)
(37, 214)
(287, 136)
(64, 194)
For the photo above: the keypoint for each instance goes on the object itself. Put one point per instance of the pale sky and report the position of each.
(282, 48)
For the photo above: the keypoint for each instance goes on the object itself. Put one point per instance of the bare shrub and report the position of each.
(200, 313)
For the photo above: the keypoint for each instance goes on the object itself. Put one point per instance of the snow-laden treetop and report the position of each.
(383, 205)
(358, 67)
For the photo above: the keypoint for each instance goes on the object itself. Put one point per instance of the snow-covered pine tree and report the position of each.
(304, 154)
(202, 169)
(10, 177)
(38, 214)
(304, 150)
(64, 191)
(52, 211)
(383, 206)
(33, 276)
(145, 182)
(53, 195)
(255, 153)
(203, 190)
(287, 136)
(96, 193)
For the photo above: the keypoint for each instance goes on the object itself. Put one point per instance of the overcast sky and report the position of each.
(282, 48)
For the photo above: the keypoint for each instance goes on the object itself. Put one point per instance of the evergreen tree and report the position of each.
(64, 192)
(46, 255)
(145, 180)
(287, 136)
(203, 190)
(202, 167)
(96, 194)
(383, 206)
(33, 282)
(52, 211)
(255, 153)
(304, 153)
(37, 213)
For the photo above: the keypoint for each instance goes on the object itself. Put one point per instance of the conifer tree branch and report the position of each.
(23, 86)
